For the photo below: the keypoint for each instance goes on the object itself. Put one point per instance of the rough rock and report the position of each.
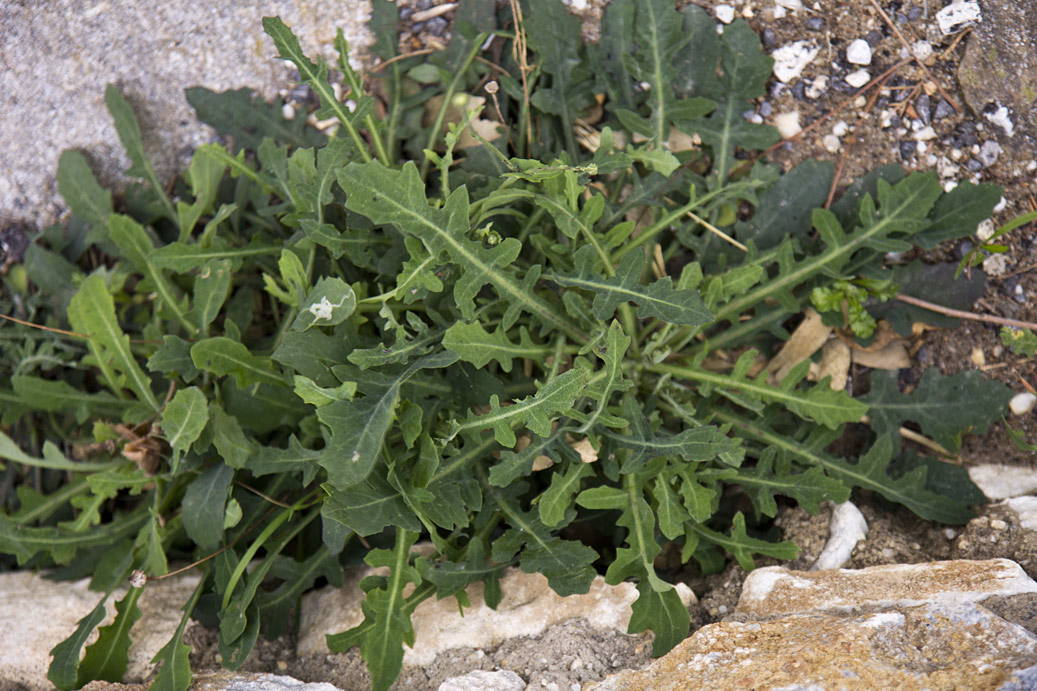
(26, 637)
(57, 57)
(936, 646)
(528, 607)
(920, 626)
(775, 590)
(999, 71)
(234, 681)
(1003, 481)
(482, 680)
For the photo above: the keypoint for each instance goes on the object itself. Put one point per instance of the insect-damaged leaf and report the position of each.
(330, 302)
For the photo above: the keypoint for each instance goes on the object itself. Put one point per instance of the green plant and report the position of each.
(334, 355)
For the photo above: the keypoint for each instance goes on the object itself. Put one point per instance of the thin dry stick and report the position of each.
(891, 25)
(380, 66)
(44, 328)
(518, 53)
(926, 442)
(955, 42)
(16, 320)
(988, 318)
(716, 231)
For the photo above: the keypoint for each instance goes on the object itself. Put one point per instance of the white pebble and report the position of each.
(858, 79)
(1001, 205)
(725, 13)
(985, 230)
(831, 143)
(288, 111)
(957, 16)
(997, 524)
(816, 87)
(922, 50)
(790, 60)
(1000, 118)
(1022, 403)
(788, 124)
(840, 128)
(925, 134)
(859, 52)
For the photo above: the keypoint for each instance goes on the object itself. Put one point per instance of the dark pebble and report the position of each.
(901, 18)
(907, 377)
(799, 91)
(299, 93)
(901, 94)
(748, 114)
(839, 84)
(882, 102)
(923, 355)
(814, 24)
(405, 13)
(894, 121)
(943, 109)
(974, 165)
(873, 38)
(424, 4)
(436, 26)
(417, 27)
(914, 13)
(766, 109)
(769, 38)
(923, 106)
(1009, 285)
(964, 248)
(966, 134)
(1021, 299)
(14, 241)
(907, 149)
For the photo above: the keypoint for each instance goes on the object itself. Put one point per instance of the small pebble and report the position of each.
(989, 152)
(788, 124)
(789, 60)
(766, 109)
(925, 134)
(997, 524)
(769, 38)
(1022, 403)
(858, 79)
(840, 128)
(923, 106)
(922, 50)
(814, 24)
(873, 38)
(859, 52)
(799, 91)
(957, 16)
(973, 165)
(831, 143)
(725, 13)
(907, 149)
(914, 13)
(949, 533)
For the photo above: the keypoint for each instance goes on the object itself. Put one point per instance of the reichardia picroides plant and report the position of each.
(493, 319)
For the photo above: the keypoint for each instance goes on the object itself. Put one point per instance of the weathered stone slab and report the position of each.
(935, 646)
(774, 590)
(528, 607)
(37, 614)
(56, 57)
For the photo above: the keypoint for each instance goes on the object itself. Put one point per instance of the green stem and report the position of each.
(437, 125)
